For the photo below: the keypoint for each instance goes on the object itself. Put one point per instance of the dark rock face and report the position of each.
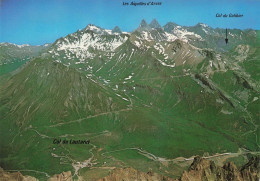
(251, 170)
(202, 169)
(143, 26)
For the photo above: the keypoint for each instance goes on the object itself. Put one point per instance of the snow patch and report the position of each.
(129, 77)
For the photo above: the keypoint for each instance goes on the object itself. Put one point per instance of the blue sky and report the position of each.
(43, 21)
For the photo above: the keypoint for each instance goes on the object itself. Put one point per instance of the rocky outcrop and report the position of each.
(202, 169)
(17, 176)
(130, 174)
(14, 176)
(64, 176)
(251, 170)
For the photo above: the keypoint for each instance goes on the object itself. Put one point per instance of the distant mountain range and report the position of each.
(83, 44)
(10, 53)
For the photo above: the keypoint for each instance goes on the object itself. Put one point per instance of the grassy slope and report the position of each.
(169, 116)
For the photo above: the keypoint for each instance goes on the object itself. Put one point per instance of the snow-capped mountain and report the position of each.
(87, 42)
(172, 45)
(84, 43)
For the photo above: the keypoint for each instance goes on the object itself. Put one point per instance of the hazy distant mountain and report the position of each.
(12, 56)
(116, 30)
(11, 52)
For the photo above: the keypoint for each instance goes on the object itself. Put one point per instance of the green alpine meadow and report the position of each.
(151, 99)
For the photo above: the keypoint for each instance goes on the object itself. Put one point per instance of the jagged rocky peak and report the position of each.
(155, 24)
(143, 26)
(116, 29)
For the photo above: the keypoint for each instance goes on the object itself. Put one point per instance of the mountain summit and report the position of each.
(116, 30)
(143, 26)
(169, 26)
(155, 24)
